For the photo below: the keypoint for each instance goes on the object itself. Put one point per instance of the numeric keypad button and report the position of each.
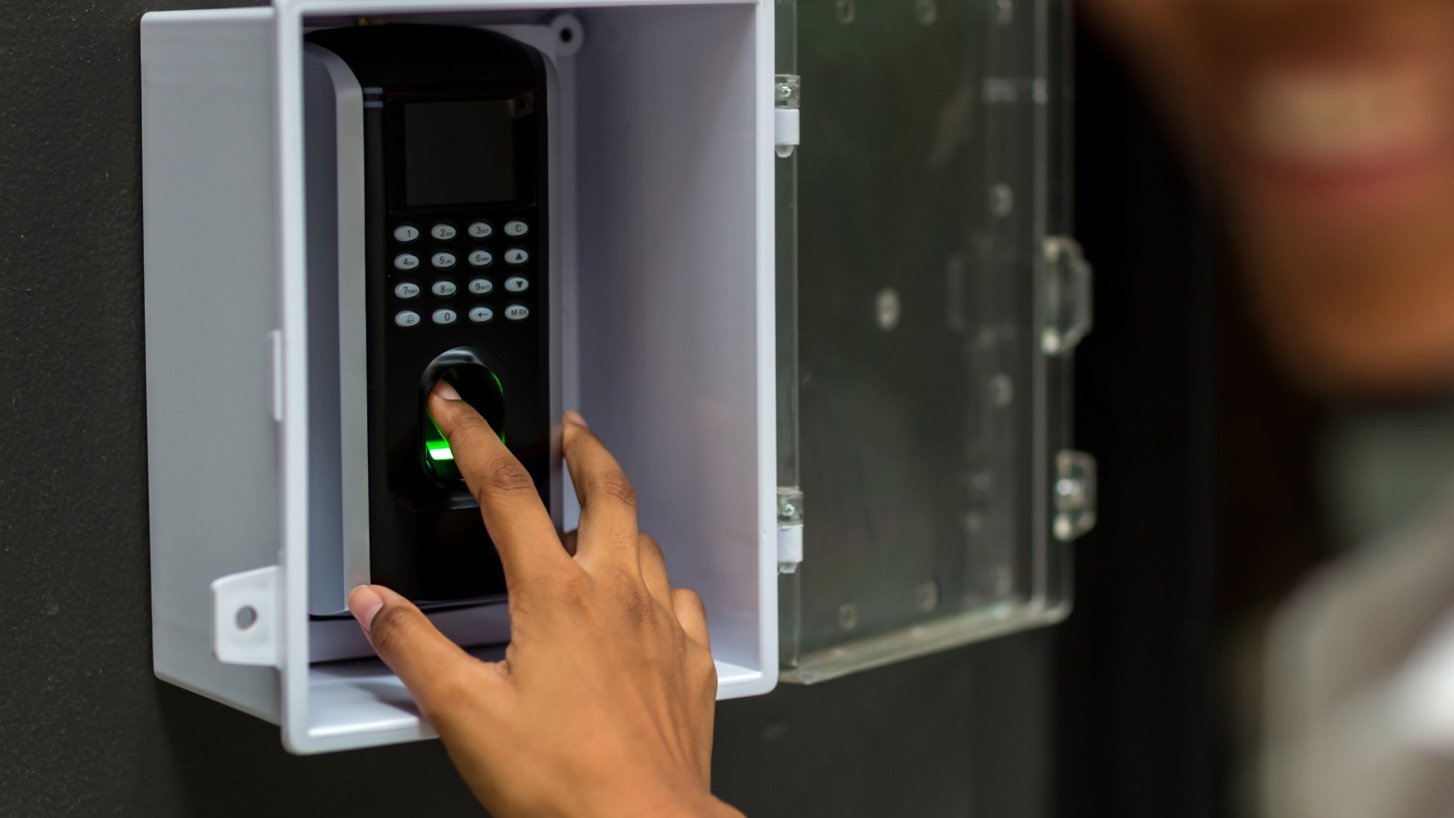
(515, 255)
(406, 318)
(516, 227)
(445, 317)
(516, 284)
(406, 261)
(442, 232)
(442, 261)
(481, 286)
(481, 258)
(480, 230)
(482, 315)
(517, 312)
(443, 289)
(406, 290)
(406, 233)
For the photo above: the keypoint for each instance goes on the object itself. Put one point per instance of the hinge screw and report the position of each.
(926, 597)
(926, 12)
(1002, 200)
(1004, 12)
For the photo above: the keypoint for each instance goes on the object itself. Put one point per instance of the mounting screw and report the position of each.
(1002, 200)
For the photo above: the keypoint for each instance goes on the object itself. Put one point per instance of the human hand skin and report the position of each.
(603, 705)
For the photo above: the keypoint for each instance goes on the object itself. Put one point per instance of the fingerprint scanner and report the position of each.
(482, 389)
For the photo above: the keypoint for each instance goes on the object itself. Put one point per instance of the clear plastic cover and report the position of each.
(932, 314)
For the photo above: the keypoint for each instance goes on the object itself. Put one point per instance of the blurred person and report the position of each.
(1327, 129)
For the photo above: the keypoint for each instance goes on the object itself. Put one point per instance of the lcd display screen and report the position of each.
(459, 152)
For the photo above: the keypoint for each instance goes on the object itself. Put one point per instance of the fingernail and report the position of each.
(445, 390)
(364, 603)
(575, 417)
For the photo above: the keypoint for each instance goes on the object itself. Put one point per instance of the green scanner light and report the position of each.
(434, 443)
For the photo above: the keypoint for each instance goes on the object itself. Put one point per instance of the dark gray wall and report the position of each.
(85, 729)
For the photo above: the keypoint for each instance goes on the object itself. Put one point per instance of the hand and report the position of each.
(604, 702)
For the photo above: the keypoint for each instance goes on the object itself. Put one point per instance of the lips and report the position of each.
(1341, 117)
(1351, 136)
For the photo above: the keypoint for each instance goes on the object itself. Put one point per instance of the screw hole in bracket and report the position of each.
(246, 617)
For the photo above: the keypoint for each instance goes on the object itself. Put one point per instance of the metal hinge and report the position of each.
(1075, 494)
(787, 96)
(1068, 296)
(789, 530)
(247, 622)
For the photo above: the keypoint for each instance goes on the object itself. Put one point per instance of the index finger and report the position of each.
(517, 520)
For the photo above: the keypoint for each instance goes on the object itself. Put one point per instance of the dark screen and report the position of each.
(459, 152)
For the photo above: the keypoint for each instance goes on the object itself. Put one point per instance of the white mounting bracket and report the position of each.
(247, 622)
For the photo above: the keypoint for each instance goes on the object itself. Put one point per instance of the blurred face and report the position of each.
(1328, 125)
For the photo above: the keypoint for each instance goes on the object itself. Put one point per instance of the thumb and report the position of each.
(424, 659)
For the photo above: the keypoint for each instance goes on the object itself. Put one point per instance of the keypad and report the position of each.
(433, 249)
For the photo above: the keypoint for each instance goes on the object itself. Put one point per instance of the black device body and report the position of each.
(456, 178)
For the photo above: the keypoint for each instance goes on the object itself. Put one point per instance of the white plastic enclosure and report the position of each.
(665, 259)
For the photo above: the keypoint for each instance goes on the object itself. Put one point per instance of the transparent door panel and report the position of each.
(926, 329)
